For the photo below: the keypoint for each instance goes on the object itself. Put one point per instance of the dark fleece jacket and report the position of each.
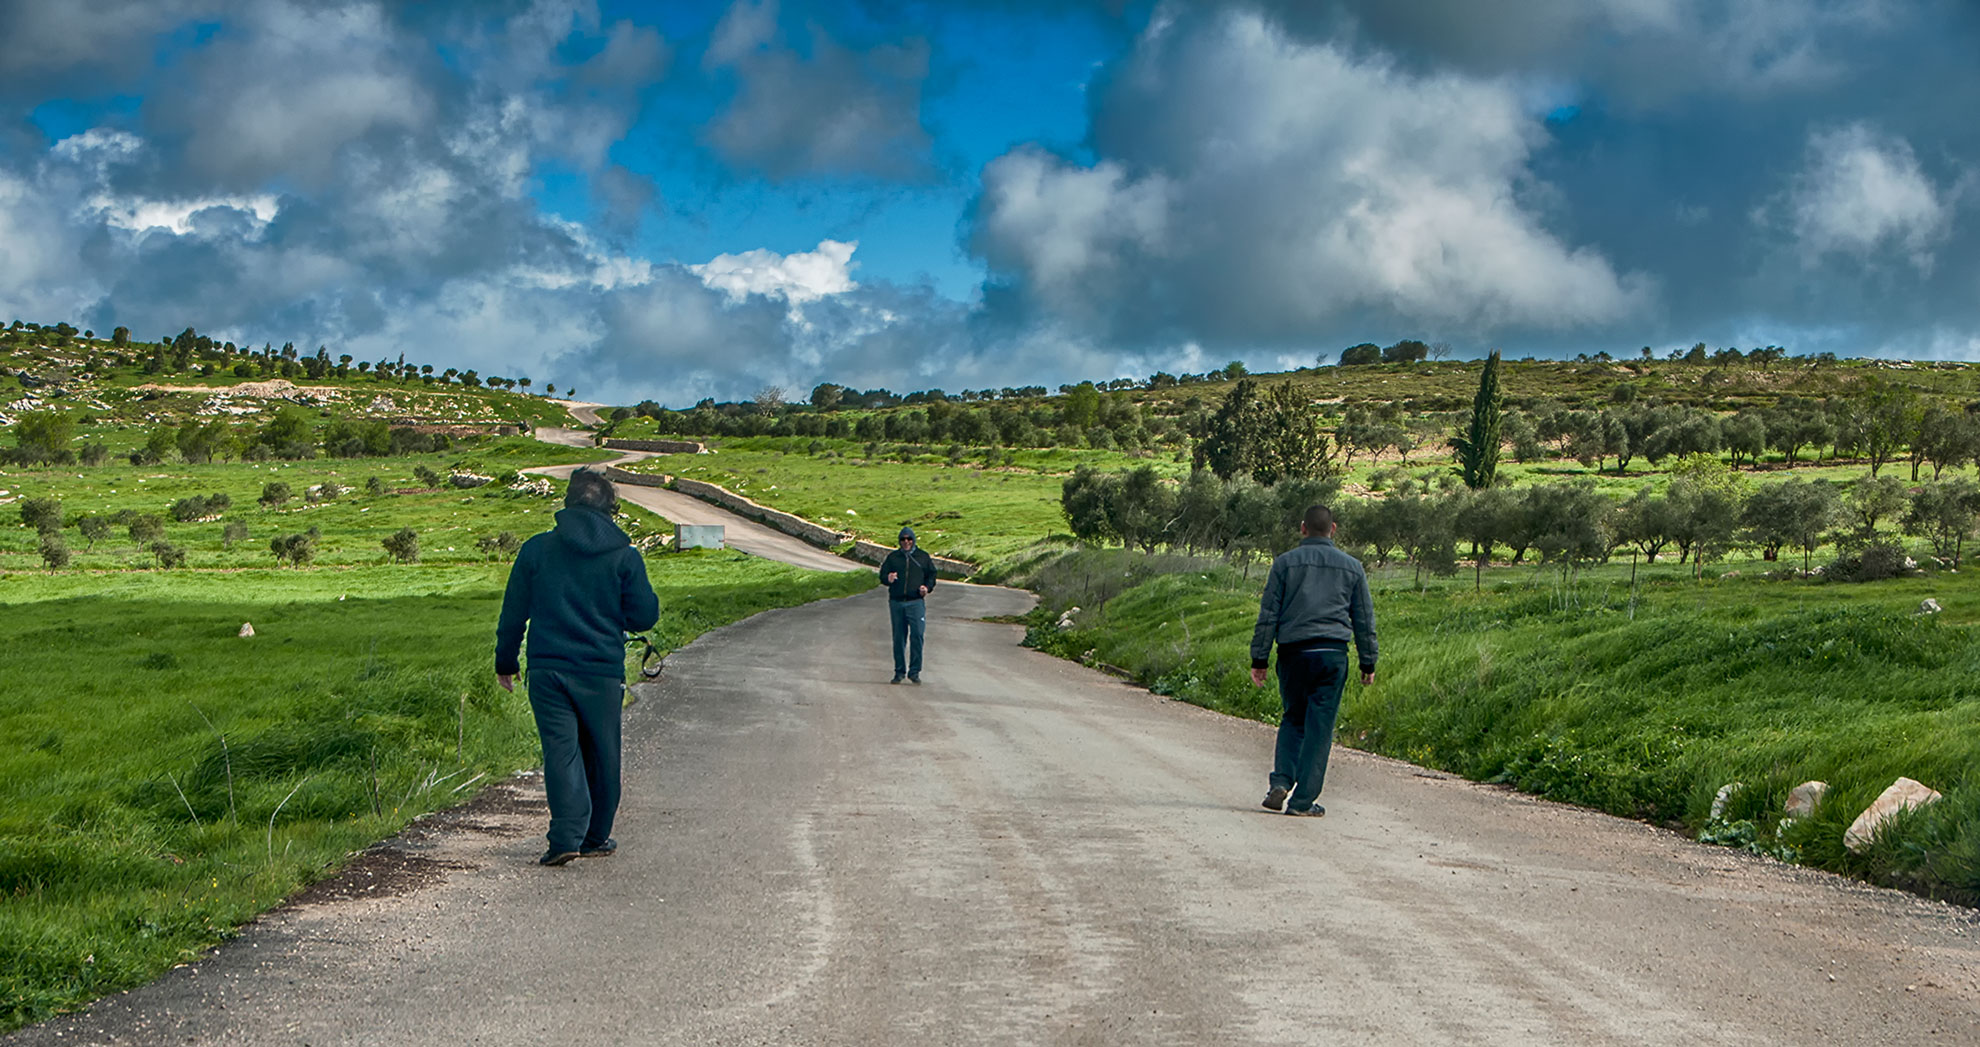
(580, 588)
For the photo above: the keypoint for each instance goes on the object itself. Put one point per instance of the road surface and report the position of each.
(1023, 851)
(738, 532)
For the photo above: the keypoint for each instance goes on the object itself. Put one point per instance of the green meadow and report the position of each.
(163, 780)
(976, 507)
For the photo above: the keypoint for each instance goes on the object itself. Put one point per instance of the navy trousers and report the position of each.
(910, 619)
(578, 719)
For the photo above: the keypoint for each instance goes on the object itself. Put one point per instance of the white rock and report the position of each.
(1803, 799)
(247, 630)
(1903, 795)
(1724, 795)
(1929, 606)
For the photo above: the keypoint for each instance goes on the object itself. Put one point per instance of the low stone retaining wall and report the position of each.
(620, 476)
(873, 553)
(656, 446)
(795, 526)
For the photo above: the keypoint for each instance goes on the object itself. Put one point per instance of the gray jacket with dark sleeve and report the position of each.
(1315, 592)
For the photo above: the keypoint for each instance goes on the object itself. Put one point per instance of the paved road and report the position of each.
(738, 532)
(1024, 851)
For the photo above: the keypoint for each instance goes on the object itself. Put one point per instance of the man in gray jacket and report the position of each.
(1315, 599)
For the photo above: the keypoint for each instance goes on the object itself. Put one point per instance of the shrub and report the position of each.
(93, 528)
(403, 545)
(327, 491)
(294, 549)
(144, 528)
(503, 545)
(42, 514)
(234, 531)
(168, 555)
(374, 487)
(94, 454)
(1873, 563)
(427, 477)
(54, 551)
(275, 494)
(200, 507)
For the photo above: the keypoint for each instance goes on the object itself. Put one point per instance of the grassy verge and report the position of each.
(132, 837)
(1641, 702)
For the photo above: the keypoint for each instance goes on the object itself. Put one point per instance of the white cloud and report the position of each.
(1863, 195)
(1252, 187)
(800, 277)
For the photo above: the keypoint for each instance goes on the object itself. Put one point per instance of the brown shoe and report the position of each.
(1275, 800)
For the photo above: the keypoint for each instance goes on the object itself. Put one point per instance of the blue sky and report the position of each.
(691, 199)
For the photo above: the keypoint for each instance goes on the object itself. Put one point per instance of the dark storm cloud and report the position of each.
(1596, 175)
(832, 110)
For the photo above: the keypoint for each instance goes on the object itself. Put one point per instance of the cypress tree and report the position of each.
(1478, 447)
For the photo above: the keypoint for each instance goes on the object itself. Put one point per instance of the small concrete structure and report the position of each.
(697, 536)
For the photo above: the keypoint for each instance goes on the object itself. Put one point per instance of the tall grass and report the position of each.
(1641, 708)
(163, 780)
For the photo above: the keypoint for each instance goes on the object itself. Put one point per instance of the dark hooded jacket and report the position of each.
(911, 570)
(579, 588)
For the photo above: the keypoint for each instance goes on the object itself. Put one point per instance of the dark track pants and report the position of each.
(578, 719)
(1310, 683)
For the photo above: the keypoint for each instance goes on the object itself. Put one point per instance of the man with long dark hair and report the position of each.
(578, 588)
(1315, 600)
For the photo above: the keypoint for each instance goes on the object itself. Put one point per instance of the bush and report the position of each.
(294, 549)
(94, 454)
(200, 507)
(42, 514)
(94, 529)
(403, 545)
(374, 487)
(144, 528)
(503, 545)
(54, 551)
(1873, 563)
(427, 477)
(234, 531)
(275, 494)
(168, 555)
(327, 491)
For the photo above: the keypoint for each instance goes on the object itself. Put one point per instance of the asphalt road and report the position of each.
(738, 532)
(1025, 851)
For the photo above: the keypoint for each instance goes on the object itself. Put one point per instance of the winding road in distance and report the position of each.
(1024, 851)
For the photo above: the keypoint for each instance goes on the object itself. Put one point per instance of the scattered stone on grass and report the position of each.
(1804, 798)
(247, 630)
(1903, 795)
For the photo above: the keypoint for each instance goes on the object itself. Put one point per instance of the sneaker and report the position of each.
(914, 677)
(898, 677)
(1315, 811)
(603, 850)
(554, 856)
(1275, 799)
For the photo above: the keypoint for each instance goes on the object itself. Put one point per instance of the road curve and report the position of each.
(738, 532)
(1025, 851)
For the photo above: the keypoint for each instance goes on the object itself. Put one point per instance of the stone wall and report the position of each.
(795, 526)
(873, 553)
(656, 446)
(620, 476)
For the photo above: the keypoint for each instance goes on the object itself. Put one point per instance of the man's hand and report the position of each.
(1367, 678)
(891, 575)
(1257, 677)
(924, 590)
(507, 680)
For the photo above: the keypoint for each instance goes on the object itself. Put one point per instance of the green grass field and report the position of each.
(132, 838)
(970, 508)
(448, 520)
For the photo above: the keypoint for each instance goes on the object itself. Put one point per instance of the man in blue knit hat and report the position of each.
(908, 574)
(579, 589)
